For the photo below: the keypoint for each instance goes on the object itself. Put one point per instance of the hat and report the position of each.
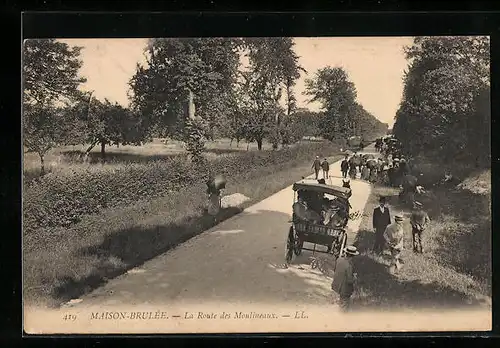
(418, 204)
(398, 217)
(351, 250)
(382, 199)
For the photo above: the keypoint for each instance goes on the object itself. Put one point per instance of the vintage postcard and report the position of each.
(256, 185)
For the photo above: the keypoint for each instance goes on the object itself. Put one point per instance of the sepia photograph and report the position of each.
(256, 185)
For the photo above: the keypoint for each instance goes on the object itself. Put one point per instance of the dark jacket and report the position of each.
(343, 278)
(325, 165)
(344, 166)
(381, 221)
(419, 219)
(316, 164)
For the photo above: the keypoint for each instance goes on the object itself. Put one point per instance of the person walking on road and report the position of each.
(316, 166)
(344, 278)
(344, 166)
(381, 219)
(326, 168)
(419, 221)
(394, 235)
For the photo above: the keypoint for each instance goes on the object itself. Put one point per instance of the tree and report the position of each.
(50, 80)
(337, 95)
(446, 83)
(107, 123)
(176, 68)
(273, 67)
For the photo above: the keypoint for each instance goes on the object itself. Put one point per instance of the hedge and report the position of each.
(62, 199)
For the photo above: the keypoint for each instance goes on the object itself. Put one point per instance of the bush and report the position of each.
(62, 199)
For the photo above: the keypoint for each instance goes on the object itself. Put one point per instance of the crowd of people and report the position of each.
(388, 230)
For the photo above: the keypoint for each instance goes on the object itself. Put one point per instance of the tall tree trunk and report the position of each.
(42, 164)
(259, 144)
(103, 150)
(91, 146)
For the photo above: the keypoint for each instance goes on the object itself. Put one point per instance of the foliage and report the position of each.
(273, 67)
(50, 71)
(61, 200)
(50, 80)
(445, 107)
(205, 66)
(106, 123)
(343, 115)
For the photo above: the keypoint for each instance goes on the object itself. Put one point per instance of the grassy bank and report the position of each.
(455, 269)
(61, 263)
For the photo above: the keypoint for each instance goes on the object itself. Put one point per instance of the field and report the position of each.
(455, 269)
(67, 157)
(86, 223)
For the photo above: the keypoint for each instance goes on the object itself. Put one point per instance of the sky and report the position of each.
(374, 64)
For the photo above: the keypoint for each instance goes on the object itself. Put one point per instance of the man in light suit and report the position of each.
(381, 219)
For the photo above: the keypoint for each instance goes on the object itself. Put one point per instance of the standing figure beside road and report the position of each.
(381, 219)
(419, 221)
(344, 278)
(394, 235)
(344, 166)
(316, 166)
(326, 168)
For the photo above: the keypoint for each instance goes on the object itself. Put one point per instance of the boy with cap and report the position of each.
(344, 278)
(394, 235)
(419, 221)
(381, 219)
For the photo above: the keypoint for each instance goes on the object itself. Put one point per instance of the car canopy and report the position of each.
(337, 191)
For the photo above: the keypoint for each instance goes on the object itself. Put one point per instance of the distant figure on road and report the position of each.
(419, 221)
(326, 168)
(344, 166)
(344, 278)
(393, 235)
(381, 219)
(316, 166)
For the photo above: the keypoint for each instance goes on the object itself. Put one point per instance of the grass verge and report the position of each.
(454, 271)
(69, 262)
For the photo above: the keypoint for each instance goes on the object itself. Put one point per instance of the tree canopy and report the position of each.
(343, 116)
(445, 106)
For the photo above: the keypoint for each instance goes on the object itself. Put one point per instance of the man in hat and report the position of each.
(316, 166)
(344, 166)
(344, 277)
(326, 168)
(394, 235)
(419, 221)
(381, 219)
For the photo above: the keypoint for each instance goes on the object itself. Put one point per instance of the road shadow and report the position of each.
(379, 289)
(132, 247)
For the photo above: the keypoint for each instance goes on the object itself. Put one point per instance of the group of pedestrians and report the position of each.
(319, 165)
(391, 234)
(388, 236)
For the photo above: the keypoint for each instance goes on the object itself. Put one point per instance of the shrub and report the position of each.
(61, 199)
